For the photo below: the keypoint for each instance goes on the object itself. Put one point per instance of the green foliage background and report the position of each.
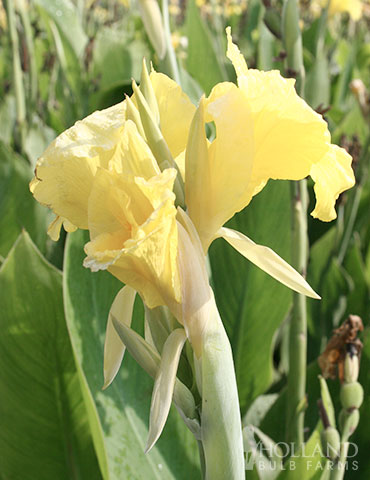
(75, 57)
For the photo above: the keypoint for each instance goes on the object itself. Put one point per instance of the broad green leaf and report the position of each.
(18, 209)
(332, 283)
(202, 61)
(117, 58)
(245, 294)
(65, 15)
(44, 429)
(119, 416)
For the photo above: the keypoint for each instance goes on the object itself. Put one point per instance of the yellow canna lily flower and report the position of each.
(264, 130)
(132, 224)
(65, 172)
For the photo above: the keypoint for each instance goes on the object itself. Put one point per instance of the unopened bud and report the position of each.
(348, 421)
(132, 113)
(330, 441)
(152, 19)
(147, 90)
(158, 144)
(351, 367)
(351, 395)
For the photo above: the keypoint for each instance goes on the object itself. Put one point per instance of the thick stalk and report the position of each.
(17, 73)
(340, 468)
(298, 326)
(220, 418)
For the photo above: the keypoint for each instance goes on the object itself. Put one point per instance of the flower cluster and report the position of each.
(120, 173)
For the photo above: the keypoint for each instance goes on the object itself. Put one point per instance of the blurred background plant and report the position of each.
(61, 60)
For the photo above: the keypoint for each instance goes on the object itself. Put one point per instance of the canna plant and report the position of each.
(154, 192)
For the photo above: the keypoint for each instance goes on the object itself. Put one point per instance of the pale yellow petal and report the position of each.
(220, 172)
(65, 172)
(149, 360)
(194, 311)
(237, 59)
(54, 228)
(268, 261)
(164, 385)
(180, 161)
(332, 176)
(132, 155)
(264, 130)
(176, 112)
(133, 233)
(114, 349)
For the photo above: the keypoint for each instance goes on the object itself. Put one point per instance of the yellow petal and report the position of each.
(132, 155)
(332, 176)
(176, 112)
(121, 309)
(133, 233)
(264, 130)
(237, 59)
(164, 385)
(217, 174)
(197, 297)
(65, 172)
(268, 261)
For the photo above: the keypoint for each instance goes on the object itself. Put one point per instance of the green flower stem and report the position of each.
(170, 58)
(17, 73)
(298, 326)
(201, 458)
(220, 417)
(339, 469)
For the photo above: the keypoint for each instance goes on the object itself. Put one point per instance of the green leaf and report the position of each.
(119, 416)
(44, 430)
(116, 58)
(332, 283)
(358, 298)
(202, 61)
(18, 209)
(249, 320)
(65, 15)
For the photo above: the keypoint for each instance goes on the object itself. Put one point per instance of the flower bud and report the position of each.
(351, 395)
(330, 441)
(152, 19)
(132, 113)
(348, 422)
(351, 367)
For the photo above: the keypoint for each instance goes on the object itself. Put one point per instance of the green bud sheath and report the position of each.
(351, 395)
(348, 422)
(330, 441)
